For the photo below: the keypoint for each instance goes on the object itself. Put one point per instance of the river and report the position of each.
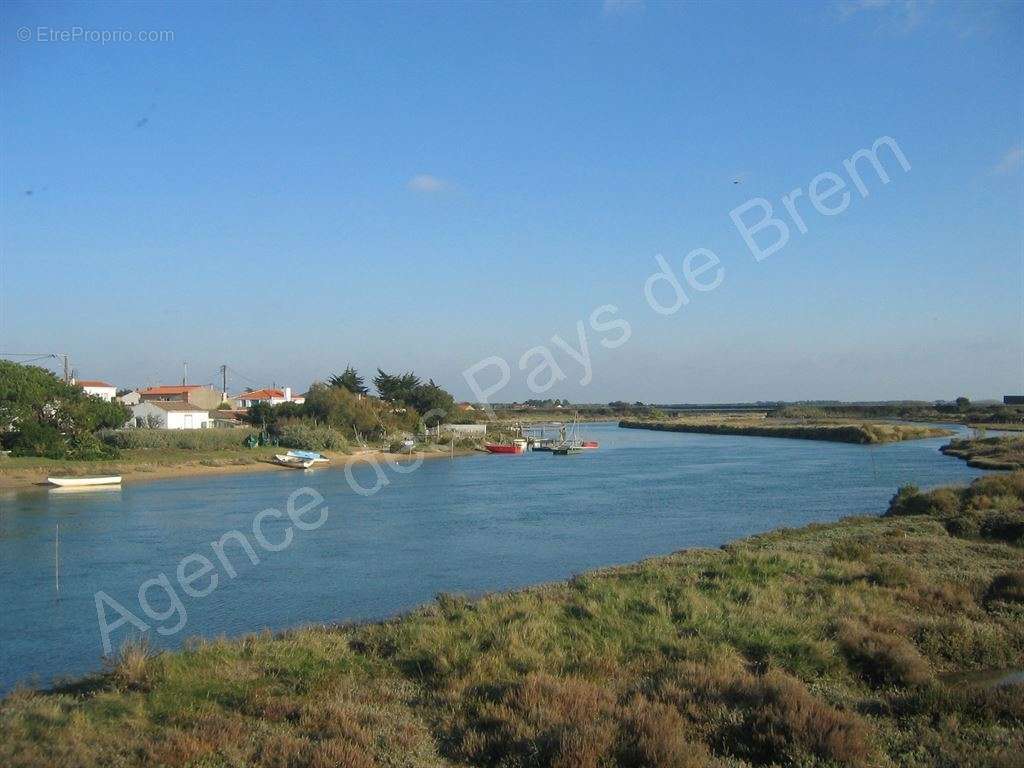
(471, 525)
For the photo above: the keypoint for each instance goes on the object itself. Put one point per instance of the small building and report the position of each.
(1013, 399)
(270, 396)
(99, 389)
(201, 395)
(130, 398)
(169, 414)
(460, 430)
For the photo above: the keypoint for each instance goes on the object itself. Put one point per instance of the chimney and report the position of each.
(287, 394)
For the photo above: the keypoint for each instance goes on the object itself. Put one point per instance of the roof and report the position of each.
(177, 389)
(260, 394)
(175, 405)
(84, 383)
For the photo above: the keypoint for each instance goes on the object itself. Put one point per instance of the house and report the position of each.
(169, 414)
(98, 389)
(202, 395)
(270, 396)
(130, 398)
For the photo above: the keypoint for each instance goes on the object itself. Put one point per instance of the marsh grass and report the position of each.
(829, 645)
(831, 430)
(989, 452)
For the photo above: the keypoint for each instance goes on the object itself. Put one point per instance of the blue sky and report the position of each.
(291, 188)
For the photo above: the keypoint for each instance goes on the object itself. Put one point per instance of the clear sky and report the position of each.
(292, 188)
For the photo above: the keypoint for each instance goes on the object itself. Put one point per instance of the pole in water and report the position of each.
(56, 559)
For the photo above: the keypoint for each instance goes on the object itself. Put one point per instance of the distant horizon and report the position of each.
(989, 399)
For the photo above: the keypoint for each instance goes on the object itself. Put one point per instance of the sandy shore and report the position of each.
(36, 476)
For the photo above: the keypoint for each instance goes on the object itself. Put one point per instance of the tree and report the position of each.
(40, 415)
(433, 402)
(963, 403)
(396, 389)
(349, 380)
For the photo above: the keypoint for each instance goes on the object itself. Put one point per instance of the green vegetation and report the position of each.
(350, 380)
(40, 415)
(831, 645)
(962, 411)
(139, 462)
(187, 439)
(838, 432)
(989, 452)
(340, 411)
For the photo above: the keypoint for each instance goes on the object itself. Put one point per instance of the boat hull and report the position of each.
(500, 448)
(82, 482)
(292, 462)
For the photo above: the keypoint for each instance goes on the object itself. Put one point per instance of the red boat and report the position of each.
(590, 443)
(516, 446)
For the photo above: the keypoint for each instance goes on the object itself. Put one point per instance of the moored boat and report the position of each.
(564, 449)
(516, 446)
(292, 462)
(80, 482)
(317, 458)
(589, 444)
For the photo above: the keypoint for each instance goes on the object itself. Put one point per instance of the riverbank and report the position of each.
(832, 431)
(859, 643)
(146, 464)
(989, 452)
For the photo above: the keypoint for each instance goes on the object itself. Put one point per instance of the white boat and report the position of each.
(293, 462)
(79, 482)
(316, 457)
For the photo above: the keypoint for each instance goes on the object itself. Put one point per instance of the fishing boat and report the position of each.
(316, 457)
(80, 482)
(569, 443)
(516, 446)
(292, 462)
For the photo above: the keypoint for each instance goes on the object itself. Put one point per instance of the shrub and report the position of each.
(188, 439)
(308, 436)
(1007, 587)
(882, 658)
(784, 720)
(38, 439)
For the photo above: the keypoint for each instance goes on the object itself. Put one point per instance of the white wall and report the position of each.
(188, 420)
(170, 419)
(104, 393)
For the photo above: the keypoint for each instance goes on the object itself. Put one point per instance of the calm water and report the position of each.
(471, 525)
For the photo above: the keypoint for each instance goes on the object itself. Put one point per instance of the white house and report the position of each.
(269, 396)
(169, 414)
(98, 389)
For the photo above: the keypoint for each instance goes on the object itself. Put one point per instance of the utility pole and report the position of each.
(224, 380)
(67, 378)
(184, 377)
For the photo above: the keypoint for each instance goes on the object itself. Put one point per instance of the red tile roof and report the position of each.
(261, 394)
(84, 383)
(179, 389)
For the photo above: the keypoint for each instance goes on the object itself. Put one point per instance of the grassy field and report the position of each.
(131, 462)
(989, 452)
(831, 430)
(830, 645)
